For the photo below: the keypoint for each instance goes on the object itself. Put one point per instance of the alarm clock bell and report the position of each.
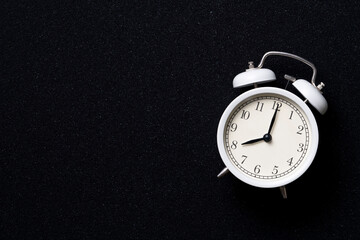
(252, 76)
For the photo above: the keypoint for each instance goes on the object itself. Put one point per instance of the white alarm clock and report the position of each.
(268, 137)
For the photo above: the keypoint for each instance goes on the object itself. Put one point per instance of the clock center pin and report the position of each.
(267, 137)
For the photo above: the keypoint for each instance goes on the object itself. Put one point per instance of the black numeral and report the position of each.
(257, 169)
(245, 114)
(291, 114)
(301, 128)
(275, 170)
(290, 161)
(234, 144)
(233, 127)
(244, 157)
(259, 106)
(301, 147)
(275, 104)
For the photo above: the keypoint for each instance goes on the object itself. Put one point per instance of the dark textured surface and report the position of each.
(110, 111)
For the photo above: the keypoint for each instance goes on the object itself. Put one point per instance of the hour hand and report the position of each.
(253, 141)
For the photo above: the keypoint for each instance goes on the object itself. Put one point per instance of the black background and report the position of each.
(109, 114)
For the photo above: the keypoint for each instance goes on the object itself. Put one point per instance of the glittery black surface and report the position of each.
(109, 114)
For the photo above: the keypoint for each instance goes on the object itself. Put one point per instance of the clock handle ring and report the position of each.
(293, 56)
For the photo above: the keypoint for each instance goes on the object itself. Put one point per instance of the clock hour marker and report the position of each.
(259, 106)
(257, 169)
(245, 114)
(244, 157)
(291, 114)
(301, 147)
(275, 170)
(233, 127)
(301, 128)
(234, 144)
(276, 103)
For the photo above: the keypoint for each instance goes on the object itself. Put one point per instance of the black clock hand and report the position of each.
(273, 119)
(253, 141)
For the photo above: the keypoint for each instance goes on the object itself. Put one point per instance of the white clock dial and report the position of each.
(267, 137)
(251, 121)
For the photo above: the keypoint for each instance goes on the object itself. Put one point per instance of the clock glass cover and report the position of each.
(266, 152)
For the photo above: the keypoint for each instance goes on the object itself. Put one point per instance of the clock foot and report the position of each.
(283, 192)
(223, 172)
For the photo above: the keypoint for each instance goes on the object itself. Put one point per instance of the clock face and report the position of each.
(268, 137)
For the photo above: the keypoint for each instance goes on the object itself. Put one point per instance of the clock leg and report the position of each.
(223, 172)
(283, 192)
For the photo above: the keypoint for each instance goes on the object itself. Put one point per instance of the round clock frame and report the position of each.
(299, 170)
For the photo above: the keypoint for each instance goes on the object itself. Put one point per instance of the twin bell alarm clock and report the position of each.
(268, 137)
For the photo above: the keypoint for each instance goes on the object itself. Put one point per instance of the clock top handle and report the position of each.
(311, 92)
(293, 56)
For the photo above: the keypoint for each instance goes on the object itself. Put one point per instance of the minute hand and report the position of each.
(273, 119)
